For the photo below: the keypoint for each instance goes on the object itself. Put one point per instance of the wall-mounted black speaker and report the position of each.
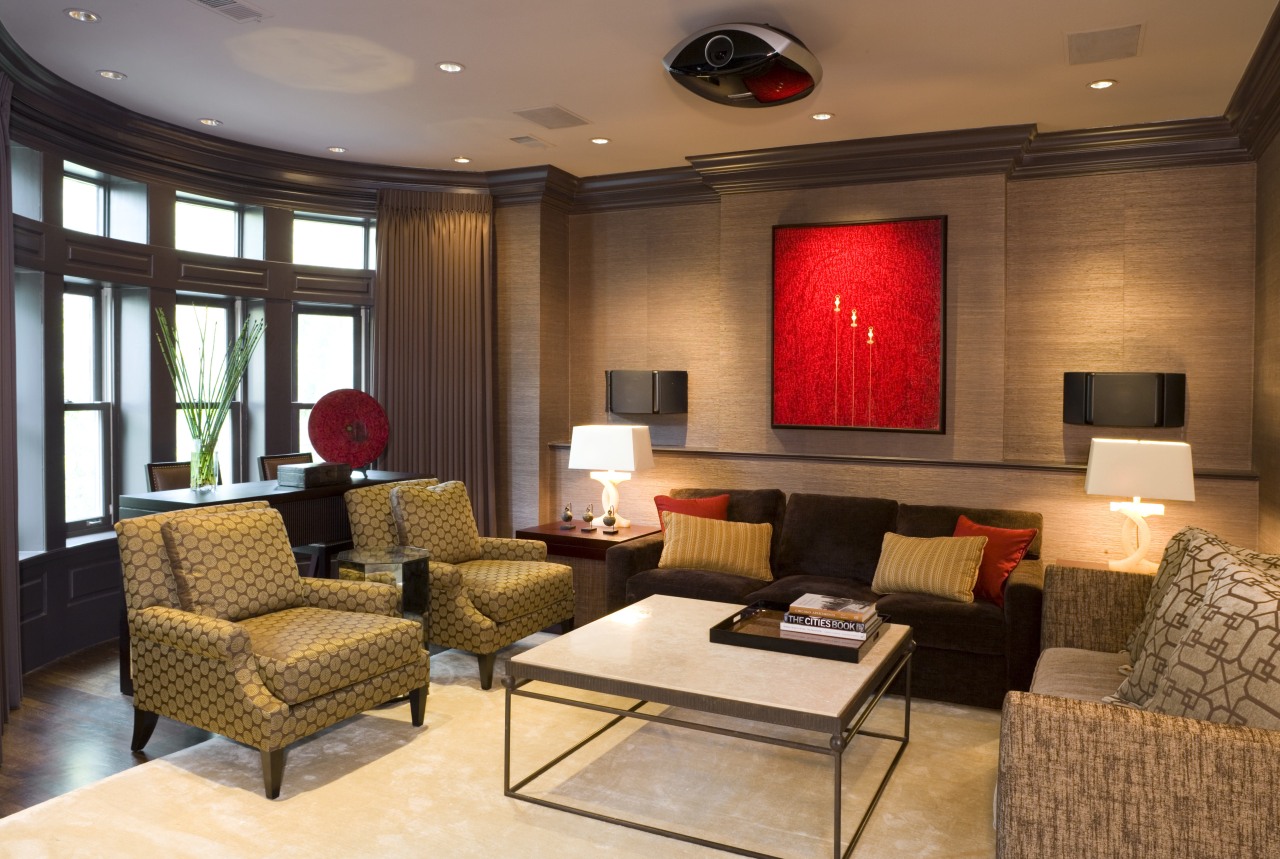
(647, 392)
(1124, 399)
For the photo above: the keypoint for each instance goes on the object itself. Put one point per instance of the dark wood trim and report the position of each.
(898, 461)
(1152, 146)
(1254, 109)
(673, 187)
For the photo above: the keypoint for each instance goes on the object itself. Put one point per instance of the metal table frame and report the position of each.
(834, 749)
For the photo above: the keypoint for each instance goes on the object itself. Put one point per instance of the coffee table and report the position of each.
(658, 651)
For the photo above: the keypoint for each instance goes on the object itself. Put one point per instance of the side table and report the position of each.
(584, 552)
(405, 566)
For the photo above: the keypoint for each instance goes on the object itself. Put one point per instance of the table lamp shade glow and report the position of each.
(1139, 469)
(611, 453)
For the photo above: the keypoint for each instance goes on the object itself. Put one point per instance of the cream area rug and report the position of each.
(376, 786)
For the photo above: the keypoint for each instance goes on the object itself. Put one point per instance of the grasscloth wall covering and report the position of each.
(1149, 270)
(1266, 416)
(434, 338)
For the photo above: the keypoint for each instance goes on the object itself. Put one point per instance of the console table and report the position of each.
(585, 553)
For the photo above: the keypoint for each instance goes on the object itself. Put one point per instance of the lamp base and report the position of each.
(1135, 536)
(609, 497)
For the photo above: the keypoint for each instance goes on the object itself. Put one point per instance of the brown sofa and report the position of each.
(1079, 777)
(968, 653)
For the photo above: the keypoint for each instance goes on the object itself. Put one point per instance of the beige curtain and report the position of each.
(433, 330)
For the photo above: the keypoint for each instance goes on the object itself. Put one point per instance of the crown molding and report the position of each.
(526, 186)
(1181, 143)
(676, 186)
(1254, 109)
(901, 158)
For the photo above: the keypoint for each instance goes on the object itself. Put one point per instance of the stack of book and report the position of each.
(851, 622)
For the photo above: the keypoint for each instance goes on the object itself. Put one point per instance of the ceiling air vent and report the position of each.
(233, 9)
(552, 117)
(531, 141)
(1102, 45)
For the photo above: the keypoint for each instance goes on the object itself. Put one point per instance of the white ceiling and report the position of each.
(362, 74)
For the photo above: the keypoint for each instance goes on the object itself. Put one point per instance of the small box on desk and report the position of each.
(306, 475)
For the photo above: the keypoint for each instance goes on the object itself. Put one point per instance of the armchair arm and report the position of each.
(1092, 609)
(1023, 603)
(346, 595)
(625, 560)
(1079, 778)
(510, 549)
(209, 637)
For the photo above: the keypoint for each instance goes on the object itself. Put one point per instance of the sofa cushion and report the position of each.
(938, 520)
(1183, 595)
(1226, 668)
(693, 584)
(943, 624)
(505, 590)
(749, 505)
(1069, 672)
(740, 548)
(944, 567)
(233, 564)
(437, 518)
(306, 652)
(714, 507)
(788, 589)
(1004, 551)
(834, 535)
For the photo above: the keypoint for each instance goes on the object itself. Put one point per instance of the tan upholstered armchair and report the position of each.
(226, 636)
(486, 592)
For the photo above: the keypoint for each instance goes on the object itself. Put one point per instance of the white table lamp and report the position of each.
(612, 452)
(1139, 469)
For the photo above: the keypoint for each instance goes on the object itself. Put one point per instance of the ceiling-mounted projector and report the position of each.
(745, 65)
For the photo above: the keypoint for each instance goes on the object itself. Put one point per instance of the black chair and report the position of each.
(172, 475)
(268, 464)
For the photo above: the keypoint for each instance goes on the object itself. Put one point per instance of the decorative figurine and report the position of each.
(567, 518)
(587, 516)
(609, 520)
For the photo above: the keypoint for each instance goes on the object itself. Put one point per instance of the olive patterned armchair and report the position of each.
(228, 637)
(486, 592)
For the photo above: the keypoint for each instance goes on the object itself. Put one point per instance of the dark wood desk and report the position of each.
(585, 553)
(316, 516)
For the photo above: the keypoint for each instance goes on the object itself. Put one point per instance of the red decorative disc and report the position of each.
(348, 426)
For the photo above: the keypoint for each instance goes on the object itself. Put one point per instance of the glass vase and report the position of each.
(204, 464)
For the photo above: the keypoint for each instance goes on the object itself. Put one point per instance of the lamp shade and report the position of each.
(1130, 468)
(608, 447)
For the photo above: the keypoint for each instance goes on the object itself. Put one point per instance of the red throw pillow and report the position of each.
(1005, 548)
(713, 507)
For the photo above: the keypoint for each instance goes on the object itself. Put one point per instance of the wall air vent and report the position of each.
(531, 141)
(233, 9)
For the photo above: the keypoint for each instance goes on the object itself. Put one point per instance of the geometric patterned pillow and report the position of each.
(1170, 563)
(1183, 595)
(438, 519)
(1227, 666)
(233, 564)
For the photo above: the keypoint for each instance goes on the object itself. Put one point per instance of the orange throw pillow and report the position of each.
(713, 507)
(1004, 550)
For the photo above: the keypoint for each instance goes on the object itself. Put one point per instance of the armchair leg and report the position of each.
(486, 669)
(566, 626)
(418, 705)
(272, 771)
(144, 723)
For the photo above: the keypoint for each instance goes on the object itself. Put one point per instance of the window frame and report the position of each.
(368, 224)
(359, 316)
(238, 209)
(80, 173)
(235, 320)
(101, 404)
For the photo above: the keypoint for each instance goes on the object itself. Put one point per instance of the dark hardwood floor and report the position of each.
(73, 728)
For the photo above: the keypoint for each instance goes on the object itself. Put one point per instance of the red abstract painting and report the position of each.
(858, 325)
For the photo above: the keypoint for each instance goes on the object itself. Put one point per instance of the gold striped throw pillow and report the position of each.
(695, 543)
(945, 567)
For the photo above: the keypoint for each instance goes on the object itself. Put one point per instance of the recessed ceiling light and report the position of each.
(337, 150)
(462, 159)
(210, 122)
(82, 15)
(112, 75)
(450, 67)
(601, 141)
(822, 117)
(1102, 84)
